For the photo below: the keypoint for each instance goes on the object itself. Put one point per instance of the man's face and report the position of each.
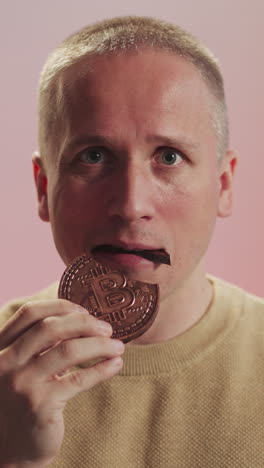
(137, 166)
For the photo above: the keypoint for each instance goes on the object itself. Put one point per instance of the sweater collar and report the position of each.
(192, 345)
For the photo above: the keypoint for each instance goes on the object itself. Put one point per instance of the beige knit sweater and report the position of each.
(194, 401)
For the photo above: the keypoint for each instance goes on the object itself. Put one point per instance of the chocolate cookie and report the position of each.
(129, 306)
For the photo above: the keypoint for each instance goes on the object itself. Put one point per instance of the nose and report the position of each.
(132, 194)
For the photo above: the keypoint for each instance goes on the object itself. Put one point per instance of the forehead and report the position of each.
(148, 70)
(148, 90)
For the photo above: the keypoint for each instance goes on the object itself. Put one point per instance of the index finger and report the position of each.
(30, 313)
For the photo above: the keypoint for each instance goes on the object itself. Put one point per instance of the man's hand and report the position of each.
(39, 346)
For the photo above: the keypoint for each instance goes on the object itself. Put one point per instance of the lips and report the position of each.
(154, 255)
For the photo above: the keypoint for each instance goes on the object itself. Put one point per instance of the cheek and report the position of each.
(192, 212)
(73, 202)
(74, 216)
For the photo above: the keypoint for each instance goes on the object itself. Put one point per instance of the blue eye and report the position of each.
(171, 157)
(91, 156)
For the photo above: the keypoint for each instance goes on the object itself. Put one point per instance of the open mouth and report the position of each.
(156, 256)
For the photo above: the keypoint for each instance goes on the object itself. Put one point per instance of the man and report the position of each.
(133, 153)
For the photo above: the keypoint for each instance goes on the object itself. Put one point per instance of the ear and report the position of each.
(41, 182)
(227, 171)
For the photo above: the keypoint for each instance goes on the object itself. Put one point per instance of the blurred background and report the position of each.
(29, 30)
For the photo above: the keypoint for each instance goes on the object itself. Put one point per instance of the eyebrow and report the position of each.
(164, 140)
(180, 140)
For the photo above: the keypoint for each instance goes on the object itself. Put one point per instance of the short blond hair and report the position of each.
(121, 35)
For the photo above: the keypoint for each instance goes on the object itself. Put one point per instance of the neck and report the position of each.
(181, 310)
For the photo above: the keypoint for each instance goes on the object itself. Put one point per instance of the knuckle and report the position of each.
(18, 386)
(47, 326)
(68, 349)
(64, 306)
(77, 379)
(5, 361)
(100, 372)
(15, 352)
(27, 310)
(16, 383)
(86, 320)
(10, 358)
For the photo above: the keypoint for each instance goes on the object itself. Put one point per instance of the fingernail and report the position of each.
(117, 362)
(80, 309)
(105, 327)
(119, 345)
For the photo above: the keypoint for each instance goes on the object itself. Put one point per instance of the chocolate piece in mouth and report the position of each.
(156, 256)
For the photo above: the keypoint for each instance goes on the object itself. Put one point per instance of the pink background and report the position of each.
(234, 30)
